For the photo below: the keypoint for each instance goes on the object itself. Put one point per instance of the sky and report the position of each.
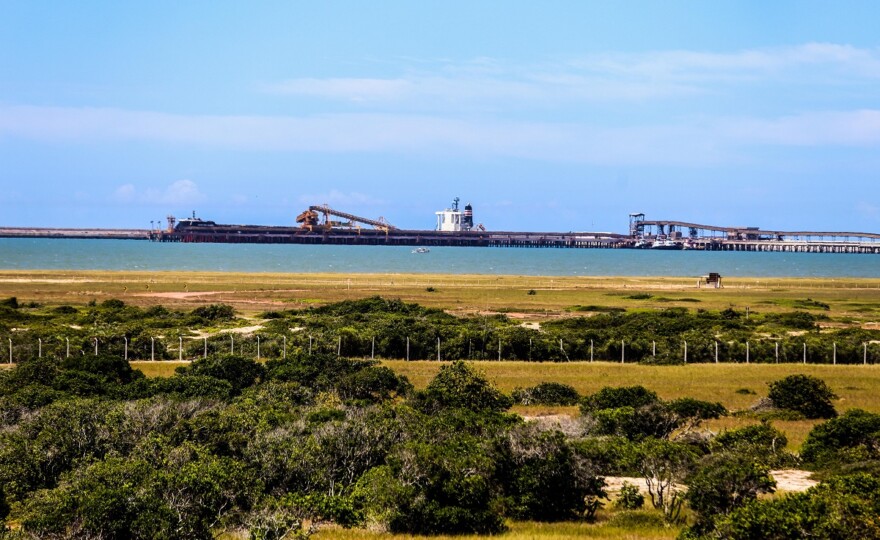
(545, 116)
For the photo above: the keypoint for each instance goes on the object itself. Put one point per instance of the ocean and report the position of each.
(72, 254)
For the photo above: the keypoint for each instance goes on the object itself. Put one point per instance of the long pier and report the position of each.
(251, 234)
(682, 235)
(44, 232)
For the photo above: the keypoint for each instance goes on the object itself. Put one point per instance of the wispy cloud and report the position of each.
(179, 192)
(601, 77)
(684, 142)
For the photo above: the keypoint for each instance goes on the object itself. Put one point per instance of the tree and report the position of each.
(724, 482)
(543, 478)
(805, 394)
(664, 466)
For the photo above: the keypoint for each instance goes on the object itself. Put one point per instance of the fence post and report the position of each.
(310, 345)
(834, 356)
(438, 348)
(205, 352)
(499, 348)
(68, 346)
(339, 346)
(407, 348)
(373, 349)
(777, 352)
(284, 347)
(747, 352)
(805, 352)
(96, 346)
(622, 351)
(591, 350)
(152, 349)
(180, 348)
(39, 347)
(126, 347)
(716, 352)
(685, 352)
(654, 349)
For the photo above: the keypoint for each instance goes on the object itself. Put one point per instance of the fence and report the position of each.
(264, 346)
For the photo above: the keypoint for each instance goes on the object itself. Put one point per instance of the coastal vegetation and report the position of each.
(297, 421)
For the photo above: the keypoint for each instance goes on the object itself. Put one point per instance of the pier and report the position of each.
(356, 231)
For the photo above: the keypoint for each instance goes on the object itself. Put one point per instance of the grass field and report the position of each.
(604, 528)
(856, 386)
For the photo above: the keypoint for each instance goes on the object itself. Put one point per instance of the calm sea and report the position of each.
(58, 254)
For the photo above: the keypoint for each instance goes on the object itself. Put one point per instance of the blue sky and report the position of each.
(545, 115)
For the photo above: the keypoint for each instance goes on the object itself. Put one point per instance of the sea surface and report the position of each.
(72, 254)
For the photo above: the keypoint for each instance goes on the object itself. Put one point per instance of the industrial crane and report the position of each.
(310, 218)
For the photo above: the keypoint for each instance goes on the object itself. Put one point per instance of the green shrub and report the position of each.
(629, 498)
(239, 372)
(724, 482)
(805, 394)
(546, 393)
(616, 397)
(849, 438)
(652, 420)
(460, 385)
(697, 409)
(844, 507)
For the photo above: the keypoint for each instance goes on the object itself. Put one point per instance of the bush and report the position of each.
(542, 478)
(239, 372)
(653, 420)
(803, 393)
(616, 397)
(547, 393)
(373, 383)
(617, 456)
(460, 385)
(697, 409)
(213, 313)
(724, 482)
(630, 498)
(844, 507)
(852, 437)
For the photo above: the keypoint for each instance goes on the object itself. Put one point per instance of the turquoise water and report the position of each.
(58, 254)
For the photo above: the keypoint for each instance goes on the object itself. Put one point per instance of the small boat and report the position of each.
(665, 244)
(421, 250)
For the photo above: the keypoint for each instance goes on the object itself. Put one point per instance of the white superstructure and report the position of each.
(454, 220)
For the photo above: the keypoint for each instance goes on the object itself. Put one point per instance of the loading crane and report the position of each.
(310, 219)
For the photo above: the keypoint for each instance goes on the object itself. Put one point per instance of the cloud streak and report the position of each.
(607, 77)
(179, 192)
(693, 142)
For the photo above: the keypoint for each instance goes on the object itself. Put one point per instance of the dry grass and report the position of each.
(858, 299)
(525, 531)
(856, 385)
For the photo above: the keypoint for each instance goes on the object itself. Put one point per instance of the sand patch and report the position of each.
(793, 480)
